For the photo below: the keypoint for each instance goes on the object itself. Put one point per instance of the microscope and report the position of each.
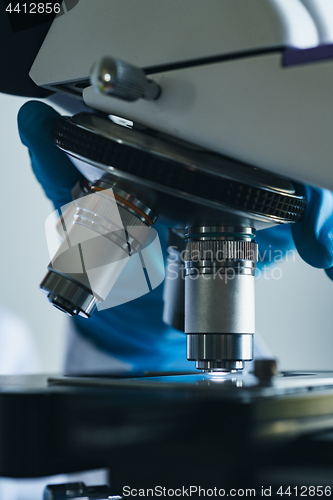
(214, 124)
(205, 116)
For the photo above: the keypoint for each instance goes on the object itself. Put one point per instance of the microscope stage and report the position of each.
(51, 425)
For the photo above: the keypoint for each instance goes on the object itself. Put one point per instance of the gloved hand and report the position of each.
(273, 245)
(312, 236)
(132, 332)
(54, 171)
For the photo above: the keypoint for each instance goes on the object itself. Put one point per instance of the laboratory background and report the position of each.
(294, 312)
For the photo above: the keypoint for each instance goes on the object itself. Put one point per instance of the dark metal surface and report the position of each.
(173, 426)
(21, 36)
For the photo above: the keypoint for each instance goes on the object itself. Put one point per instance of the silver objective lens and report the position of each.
(104, 229)
(220, 265)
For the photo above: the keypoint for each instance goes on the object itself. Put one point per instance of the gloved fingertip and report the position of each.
(35, 119)
(313, 234)
(315, 251)
(55, 172)
(329, 273)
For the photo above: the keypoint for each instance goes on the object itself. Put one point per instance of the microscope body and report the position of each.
(250, 80)
(239, 103)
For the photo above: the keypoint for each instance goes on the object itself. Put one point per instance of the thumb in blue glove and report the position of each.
(53, 169)
(313, 234)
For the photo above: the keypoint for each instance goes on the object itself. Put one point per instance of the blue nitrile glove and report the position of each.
(132, 332)
(273, 245)
(312, 236)
(54, 171)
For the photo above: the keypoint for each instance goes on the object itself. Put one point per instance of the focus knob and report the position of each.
(120, 79)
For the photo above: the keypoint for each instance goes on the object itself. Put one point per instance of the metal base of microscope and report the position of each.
(172, 430)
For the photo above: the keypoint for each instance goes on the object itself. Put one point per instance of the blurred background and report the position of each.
(293, 303)
(23, 249)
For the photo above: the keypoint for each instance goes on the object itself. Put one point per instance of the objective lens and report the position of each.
(220, 264)
(109, 226)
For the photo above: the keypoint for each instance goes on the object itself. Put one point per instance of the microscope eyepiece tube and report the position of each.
(220, 265)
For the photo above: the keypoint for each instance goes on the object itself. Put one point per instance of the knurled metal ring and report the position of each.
(137, 154)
